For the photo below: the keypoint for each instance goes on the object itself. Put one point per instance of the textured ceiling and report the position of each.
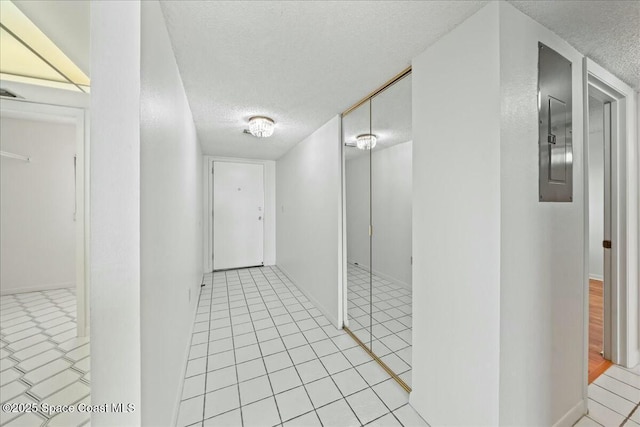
(606, 31)
(304, 62)
(300, 63)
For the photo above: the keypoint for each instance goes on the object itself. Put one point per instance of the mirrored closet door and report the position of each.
(355, 128)
(377, 141)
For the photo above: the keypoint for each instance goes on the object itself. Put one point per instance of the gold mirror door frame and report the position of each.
(358, 128)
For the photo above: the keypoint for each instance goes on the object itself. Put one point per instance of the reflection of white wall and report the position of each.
(37, 230)
(357, 209)
(391, 212)
(596, 189)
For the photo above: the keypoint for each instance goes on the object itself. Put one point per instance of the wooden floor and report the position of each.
(597, 363)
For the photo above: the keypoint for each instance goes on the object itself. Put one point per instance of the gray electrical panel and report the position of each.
(554, 118)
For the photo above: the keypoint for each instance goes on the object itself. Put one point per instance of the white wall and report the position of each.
(542, 257)
(115, 209)
(146, 222)
(502, 290)
(391, 206)
(456, 225)
(170, 221)
(269, 207)
(309, 213)
(37, 230)
(596, 189)
(357, 201)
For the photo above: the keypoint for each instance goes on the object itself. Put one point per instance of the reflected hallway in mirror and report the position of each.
(377, 138)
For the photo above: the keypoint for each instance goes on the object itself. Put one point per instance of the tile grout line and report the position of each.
(32, 306)
(235, 360)
(258, 344)
(614, 393)
(374, 391)
(330, 376)
(359, 391)
(378, 338)
(606, 374)
(630, 414)
(260, 289)
(286, 349)
(206, 363)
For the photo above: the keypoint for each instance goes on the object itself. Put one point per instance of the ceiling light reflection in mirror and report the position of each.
(387, 115)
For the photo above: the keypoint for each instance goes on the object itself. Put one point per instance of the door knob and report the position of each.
(259, 218)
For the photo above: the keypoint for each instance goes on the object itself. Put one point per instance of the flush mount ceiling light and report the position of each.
(261, 127)
(366, 141)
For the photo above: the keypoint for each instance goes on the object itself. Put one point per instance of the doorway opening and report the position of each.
(61, 150)
(44, 292)
(610, 245)
(600, 285)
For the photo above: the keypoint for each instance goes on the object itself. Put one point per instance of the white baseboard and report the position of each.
(596, 277)
(384, 276)
(176, 410)
(573, 415)
(333, 319)
(634, 358)
(9, 290)
(392, 280)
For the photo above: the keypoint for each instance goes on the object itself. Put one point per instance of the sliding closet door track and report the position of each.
(383, 365)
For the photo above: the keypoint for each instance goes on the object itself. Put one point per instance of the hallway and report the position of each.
(399, 211)
(263, 354)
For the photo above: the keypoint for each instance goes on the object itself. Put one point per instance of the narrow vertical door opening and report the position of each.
(599, 175)
(44, 330)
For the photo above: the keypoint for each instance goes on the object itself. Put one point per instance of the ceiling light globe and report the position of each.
(261, 127)
(366, 141)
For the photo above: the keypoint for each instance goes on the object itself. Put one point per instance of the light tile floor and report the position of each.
(263, 355)
(391, 320)
(41, 359)
(614, 398)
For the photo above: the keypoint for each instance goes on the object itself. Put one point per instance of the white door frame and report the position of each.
(343, 295)
(624, 217)
(254, 254)
(610, 276)
(80, 117)
(208, 188)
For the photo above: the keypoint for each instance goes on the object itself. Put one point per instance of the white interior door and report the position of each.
(238, 213)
